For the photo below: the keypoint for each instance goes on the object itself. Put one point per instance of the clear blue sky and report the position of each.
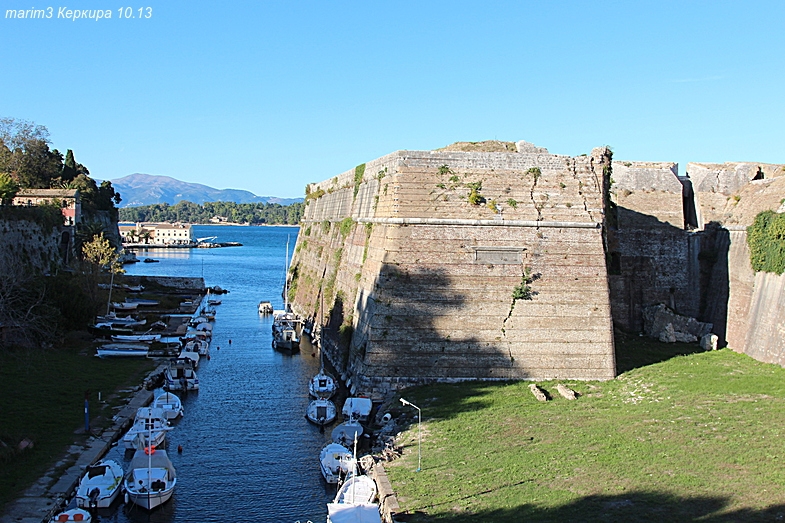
(268, 96)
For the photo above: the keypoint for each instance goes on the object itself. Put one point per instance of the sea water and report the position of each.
(248, 454)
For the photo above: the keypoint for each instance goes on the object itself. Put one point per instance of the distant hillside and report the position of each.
(147, 189)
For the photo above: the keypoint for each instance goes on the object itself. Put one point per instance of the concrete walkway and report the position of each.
(50, 493)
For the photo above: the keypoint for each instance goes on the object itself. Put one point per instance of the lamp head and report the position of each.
(405, 402)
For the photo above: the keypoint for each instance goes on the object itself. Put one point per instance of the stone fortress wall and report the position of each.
(681, 241)
(422, 280)
(415, 283)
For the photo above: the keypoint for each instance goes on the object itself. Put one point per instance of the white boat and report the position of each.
(100, 485)
(204, 327)
(170, 403)
(122, 350)
(336, 462)
(180, 375)
(200, 346)
(265, 307)
(75, 514)
(346, 432)
(322, 385)
(285, 337)
(140, 338)
(353, 513)
(357, 489)
(114, 319)
(321, 411)
(192, 355)
(357, 408)
(125, 306)
(150, 424)
(151, 479)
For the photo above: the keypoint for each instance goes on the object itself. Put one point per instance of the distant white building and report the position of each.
(157, 234)
(173, 234)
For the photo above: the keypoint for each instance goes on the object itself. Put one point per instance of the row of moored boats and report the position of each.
(150, 478)
(355, 499)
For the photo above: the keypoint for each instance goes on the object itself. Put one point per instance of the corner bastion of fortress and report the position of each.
(452, 265)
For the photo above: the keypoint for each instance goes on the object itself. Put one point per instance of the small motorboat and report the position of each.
(192, 355)
(75, 514)
(345, 433)
(122, 321)
(322, 385)
(151, 478)
(124, 306)
(357, 408)
(100, 485)
(196, 345)
(321, 411)
(180, 375)
(149, 425)
(336, 462)
(265, 307)
(123, 350)
(136, 338)
(170, 403)
(285, 336)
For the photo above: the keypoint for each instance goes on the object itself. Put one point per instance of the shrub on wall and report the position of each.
(346, 226)
(359, 172)
(766, 240)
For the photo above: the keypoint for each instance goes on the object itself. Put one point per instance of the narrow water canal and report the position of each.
(248, 452)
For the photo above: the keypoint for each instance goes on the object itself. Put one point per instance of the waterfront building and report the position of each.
(68, 199)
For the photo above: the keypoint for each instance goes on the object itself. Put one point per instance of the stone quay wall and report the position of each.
(415, 283)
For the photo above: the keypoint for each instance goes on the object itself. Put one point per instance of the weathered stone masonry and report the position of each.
(420, 281)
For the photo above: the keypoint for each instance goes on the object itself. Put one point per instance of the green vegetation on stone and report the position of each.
(359, 172)
(766, 240)
(346, 226)
(474, 197)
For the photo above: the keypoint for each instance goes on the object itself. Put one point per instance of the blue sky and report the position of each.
(268, 96)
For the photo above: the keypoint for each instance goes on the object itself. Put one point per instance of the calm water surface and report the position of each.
(248, 452)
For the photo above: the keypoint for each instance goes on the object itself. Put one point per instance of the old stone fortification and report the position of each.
(29, 244)
(731, 195)
(681, 241)
(413, 261)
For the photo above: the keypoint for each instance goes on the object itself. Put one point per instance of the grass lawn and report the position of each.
(696, 436)
(42, 396)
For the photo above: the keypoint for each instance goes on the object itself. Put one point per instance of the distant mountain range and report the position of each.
(146, 189)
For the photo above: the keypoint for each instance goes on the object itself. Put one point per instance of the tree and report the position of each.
(69, 167)
(8, 189)
(100, 252)
(25, 154)
(98, 255)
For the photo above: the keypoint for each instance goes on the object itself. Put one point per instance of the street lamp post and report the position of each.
(419, 433)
